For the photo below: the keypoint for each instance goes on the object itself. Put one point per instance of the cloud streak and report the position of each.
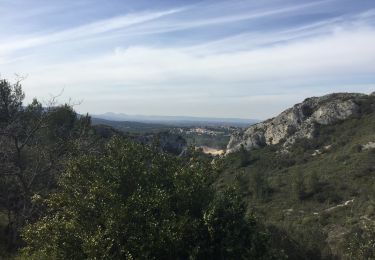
(130, 22)
(84, 31)
(172, 72)
(210, 59)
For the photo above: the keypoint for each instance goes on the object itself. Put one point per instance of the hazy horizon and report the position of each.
(224, 59)
(169, 116)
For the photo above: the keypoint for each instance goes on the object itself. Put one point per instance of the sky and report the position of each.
(220, 58)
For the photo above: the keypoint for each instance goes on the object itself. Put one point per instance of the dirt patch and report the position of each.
(212, 151)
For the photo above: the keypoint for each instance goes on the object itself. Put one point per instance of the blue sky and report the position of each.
(219, 58)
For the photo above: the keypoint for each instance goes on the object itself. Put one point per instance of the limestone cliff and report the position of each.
(299, 121)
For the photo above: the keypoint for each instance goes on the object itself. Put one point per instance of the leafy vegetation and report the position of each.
(211, 136)
(66, 192)
(132, 202)
(318, 192)
(70, 190)
(35, 142)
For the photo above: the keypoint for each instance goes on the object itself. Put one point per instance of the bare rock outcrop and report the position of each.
(299, 121)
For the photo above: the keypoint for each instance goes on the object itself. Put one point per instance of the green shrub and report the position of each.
(134, 203)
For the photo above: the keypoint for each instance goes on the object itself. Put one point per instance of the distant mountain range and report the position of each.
(178, 120)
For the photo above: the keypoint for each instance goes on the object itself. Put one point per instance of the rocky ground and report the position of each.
(299, 121)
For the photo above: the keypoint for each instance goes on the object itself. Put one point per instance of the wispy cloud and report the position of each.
(151, 73)
(84, 31)
(129, 22)
(185, 24)
(214, 58)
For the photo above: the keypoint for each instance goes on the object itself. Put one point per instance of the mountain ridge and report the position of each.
(299, 121)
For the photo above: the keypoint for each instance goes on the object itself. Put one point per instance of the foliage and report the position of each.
(84, 198)
(361, 244)
(11, 97)
(259, 185)
(313, 195)
(35, 142)
(298, 186)
(134, 202)
(244, 156)
(233, 236)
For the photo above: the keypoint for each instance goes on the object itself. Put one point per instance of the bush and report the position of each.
(134, 202)
(361, 242)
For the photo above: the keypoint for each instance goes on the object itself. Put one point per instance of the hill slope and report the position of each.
(299, 121)
(320, 191)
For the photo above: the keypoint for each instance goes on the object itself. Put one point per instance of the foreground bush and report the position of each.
(132, 202)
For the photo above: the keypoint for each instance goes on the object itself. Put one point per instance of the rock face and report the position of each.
(300, 121)
(368, 146)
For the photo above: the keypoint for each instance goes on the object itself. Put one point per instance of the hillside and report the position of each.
(215, 137)
(131, 126)
(318, 189)
(300, 185)
(73, 190)
(299, 121)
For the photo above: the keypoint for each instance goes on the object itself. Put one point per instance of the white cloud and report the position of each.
(237, 75)
(139, 24)
(339, 53)
(81, 32)
(149, 74)
(207, 20)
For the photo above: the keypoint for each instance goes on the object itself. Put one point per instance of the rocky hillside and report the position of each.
(299, 121)
(320, 195)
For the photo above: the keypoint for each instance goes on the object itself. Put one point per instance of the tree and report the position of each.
(13, 138)
(133, 202)
(244, 156)
(313, 183)
(11, 98)
(232, 233)
(298, 186)
(361, 242)
(35, 142)
(259, 185)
